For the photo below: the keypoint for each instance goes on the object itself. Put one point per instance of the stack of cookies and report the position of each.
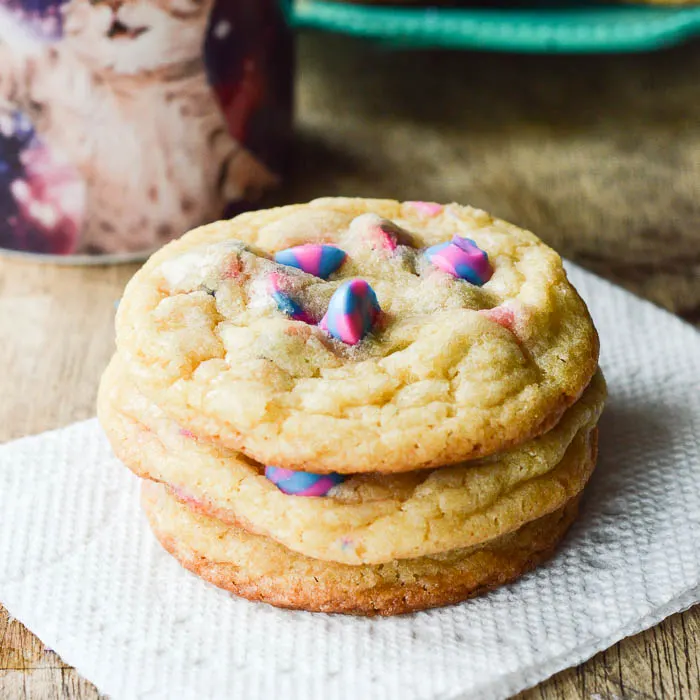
(357, 406)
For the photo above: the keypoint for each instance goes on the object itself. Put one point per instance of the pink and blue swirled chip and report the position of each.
(318, 260)
(352, 312)
(295, 483)
(462, 258)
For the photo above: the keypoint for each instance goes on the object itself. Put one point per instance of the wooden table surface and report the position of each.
(599, 155)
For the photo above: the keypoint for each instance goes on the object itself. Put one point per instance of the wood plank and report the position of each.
(659, 663)
(56, 334)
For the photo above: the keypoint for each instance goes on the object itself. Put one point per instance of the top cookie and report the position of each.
(411, 367)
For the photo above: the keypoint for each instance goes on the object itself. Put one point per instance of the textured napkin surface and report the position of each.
(80, 568)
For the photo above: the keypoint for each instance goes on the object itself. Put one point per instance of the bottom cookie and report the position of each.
(260, 569)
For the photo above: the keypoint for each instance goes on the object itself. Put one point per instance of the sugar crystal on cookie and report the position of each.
(296, 483)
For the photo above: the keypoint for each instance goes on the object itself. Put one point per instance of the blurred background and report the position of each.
(597, 154)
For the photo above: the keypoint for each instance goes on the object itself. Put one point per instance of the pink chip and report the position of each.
(426, 208)
(388, 238)
(502, 315)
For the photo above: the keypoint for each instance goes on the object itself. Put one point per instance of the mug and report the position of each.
(124, 123)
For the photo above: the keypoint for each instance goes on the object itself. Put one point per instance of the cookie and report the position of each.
(365, 519)
(262, 570)
(251, 353)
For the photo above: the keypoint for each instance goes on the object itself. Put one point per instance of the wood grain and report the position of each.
(55, 338)
(600, 156)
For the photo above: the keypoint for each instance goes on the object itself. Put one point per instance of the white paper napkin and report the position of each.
(80, 568)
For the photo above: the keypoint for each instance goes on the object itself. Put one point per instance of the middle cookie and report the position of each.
(369, 518)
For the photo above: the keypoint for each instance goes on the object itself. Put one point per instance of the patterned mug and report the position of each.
(123, 123)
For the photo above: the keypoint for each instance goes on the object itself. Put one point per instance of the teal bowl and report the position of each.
(525, 27)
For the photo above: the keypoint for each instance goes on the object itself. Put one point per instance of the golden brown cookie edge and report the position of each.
(489, 567)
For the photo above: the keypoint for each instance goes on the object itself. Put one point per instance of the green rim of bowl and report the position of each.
(560, 28)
